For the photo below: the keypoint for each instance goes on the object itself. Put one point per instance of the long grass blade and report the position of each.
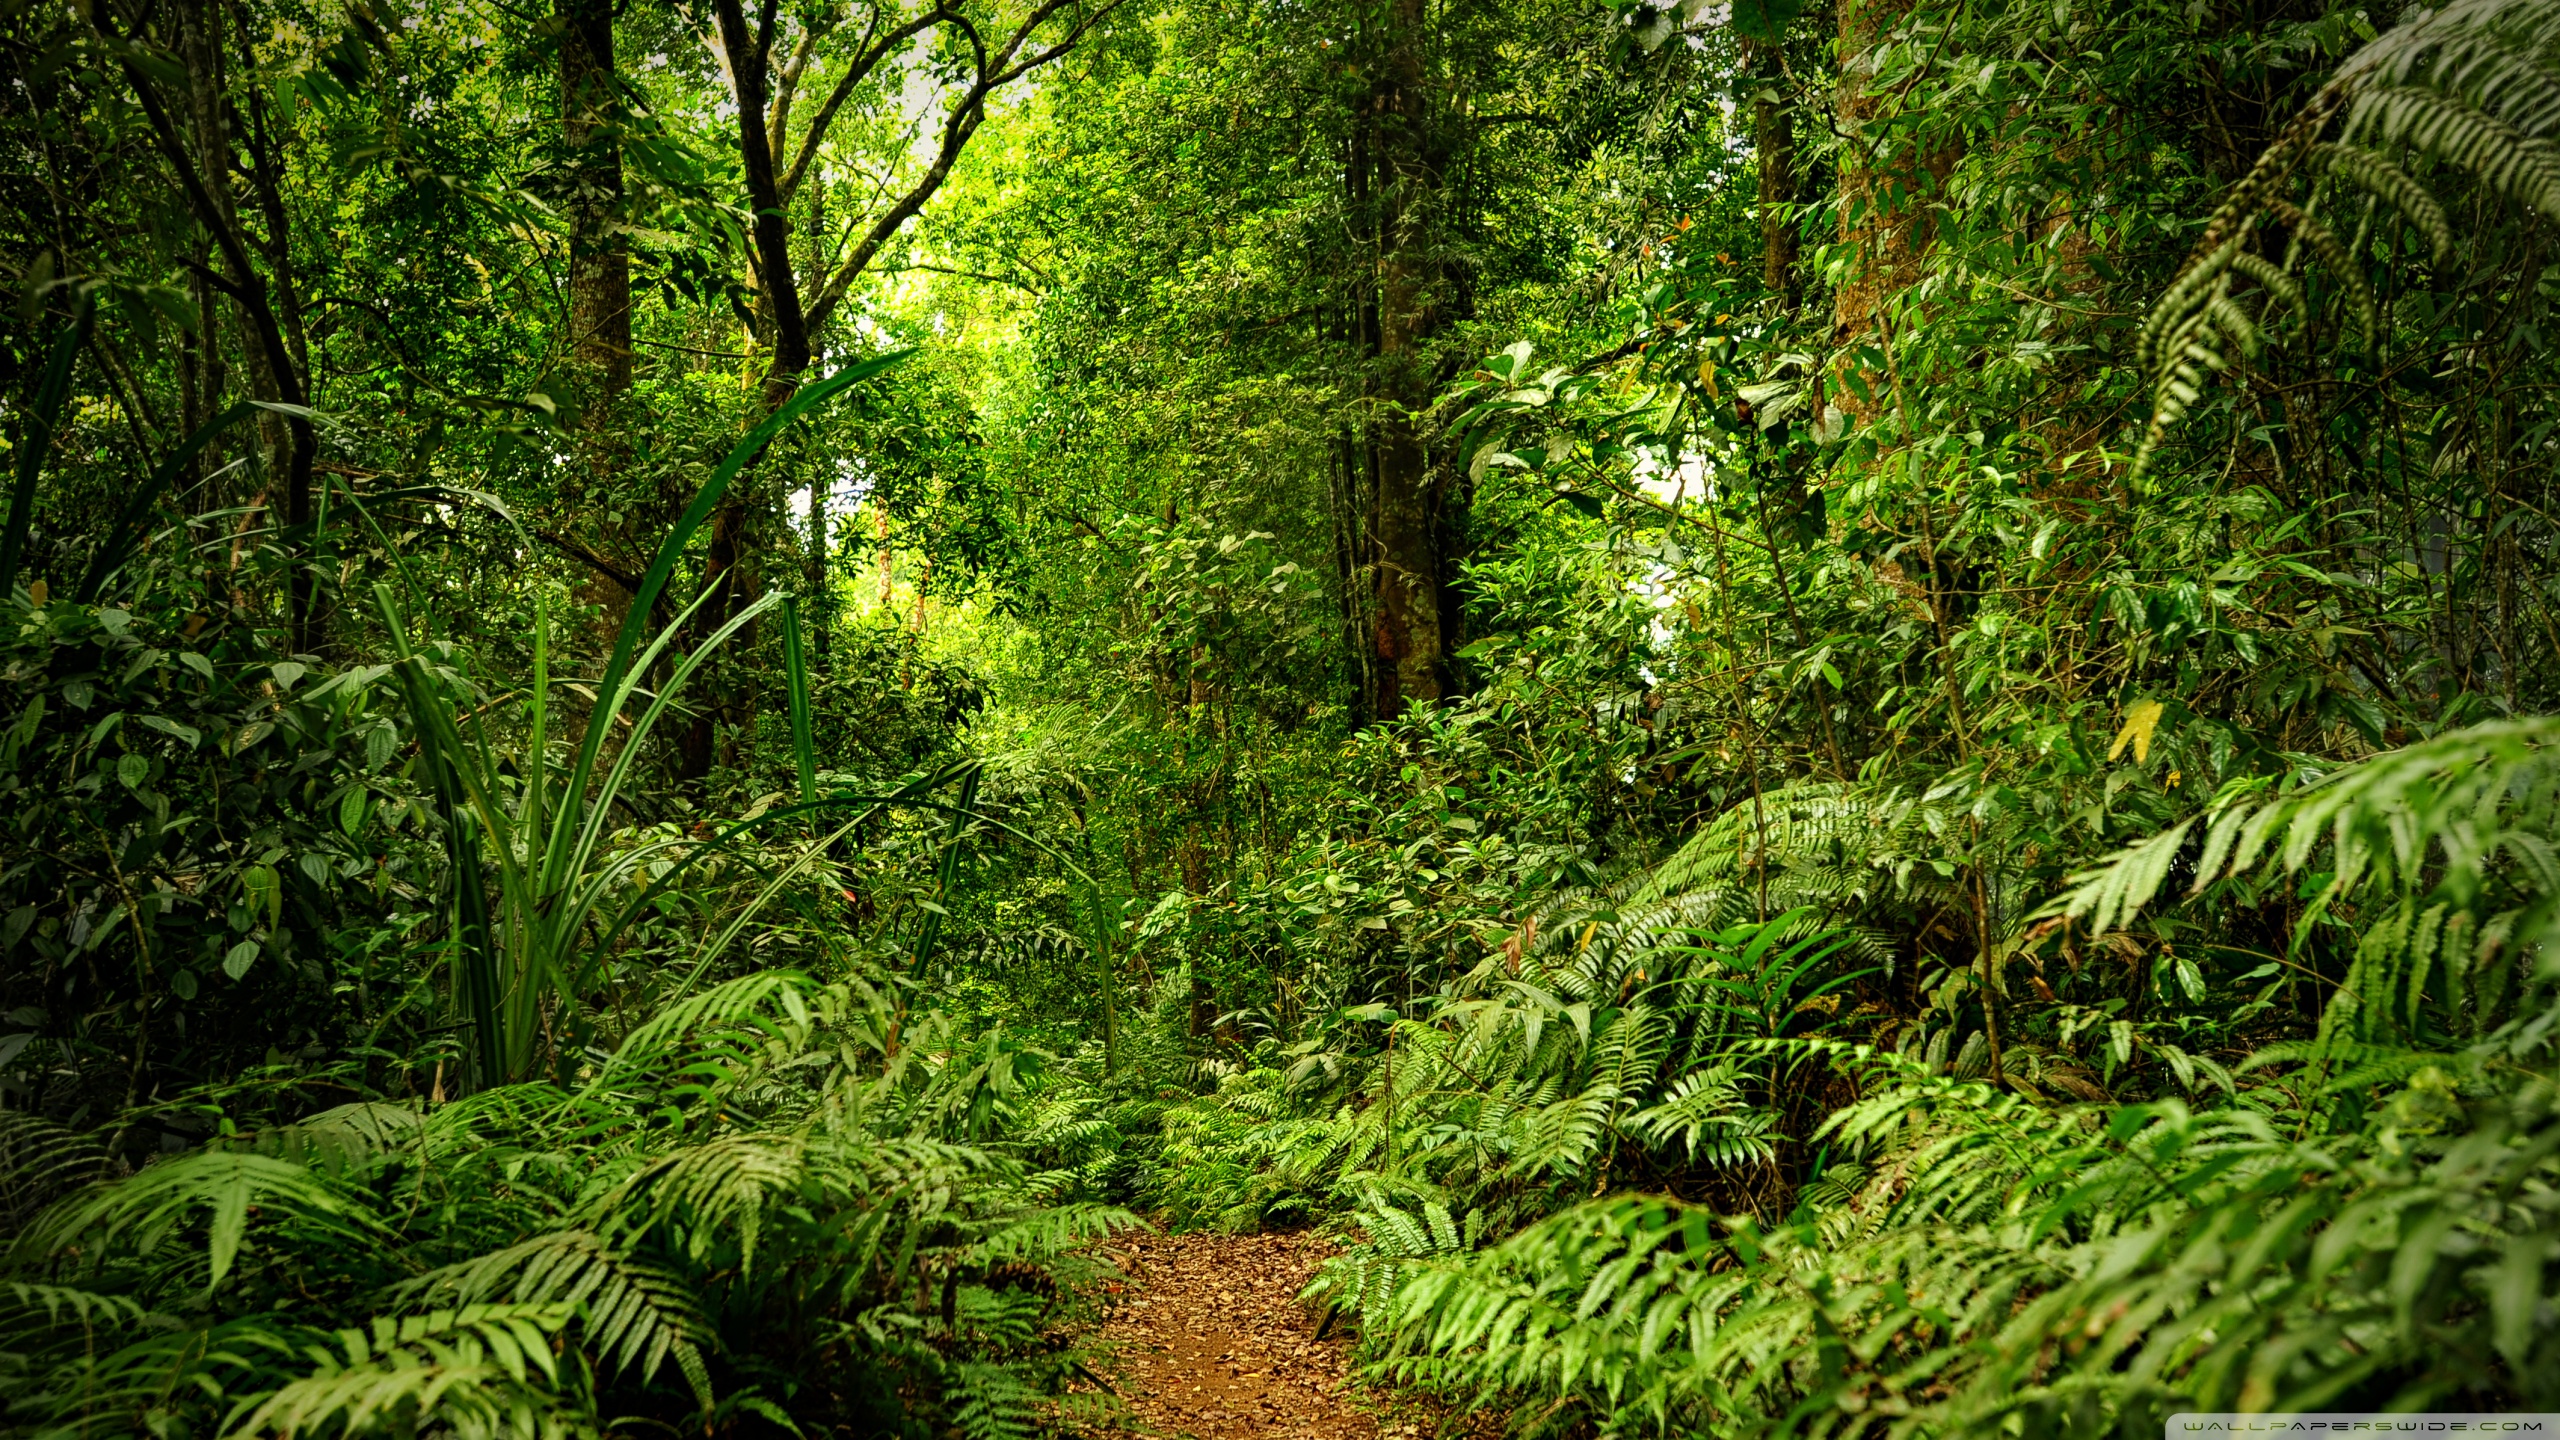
(627, 642)
(475, 943)
(35, 439)
(804, 753)
(608, 878)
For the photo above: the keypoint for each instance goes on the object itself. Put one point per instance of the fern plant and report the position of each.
(752, 1206)
(548, 840)
(2365, 1223)
(2467, 88)
(2439, 854)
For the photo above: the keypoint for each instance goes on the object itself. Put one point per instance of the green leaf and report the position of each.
(264, 889)
(167, 726)
(351, 810)
(230, 1223)
(237, 960)
(132, 770)
(1764, 19)
(2515, 1293)
(2190, 979)
(2140, 719)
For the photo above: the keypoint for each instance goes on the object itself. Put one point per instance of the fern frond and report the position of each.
(2497, 55)
(341, 1140)
(483, 1370)
(991, 1402)
(2523, 168)
(2396, 188)
(636, 1314)
(40, 1160)
(221, 1185)
(2322, 241)
(2280, 287)
(1706, 1113)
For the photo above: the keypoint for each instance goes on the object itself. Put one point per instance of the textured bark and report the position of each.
(599, 256)
(748, 50)
(599, 303)
(1773, 137)
(750, 54)
(1885, 187)
(203, 375)
(1412, 661)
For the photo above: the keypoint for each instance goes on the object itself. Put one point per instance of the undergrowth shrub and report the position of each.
(774, 1199)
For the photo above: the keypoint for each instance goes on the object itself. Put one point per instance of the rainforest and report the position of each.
(1312, 718)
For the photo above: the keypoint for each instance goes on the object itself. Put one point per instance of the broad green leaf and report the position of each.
(167, 726)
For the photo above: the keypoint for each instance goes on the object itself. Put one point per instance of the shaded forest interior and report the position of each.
(1789, 717)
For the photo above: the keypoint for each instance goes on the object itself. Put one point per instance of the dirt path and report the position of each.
(1213, 1343)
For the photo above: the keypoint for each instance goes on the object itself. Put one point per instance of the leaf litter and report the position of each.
(1212, 1342)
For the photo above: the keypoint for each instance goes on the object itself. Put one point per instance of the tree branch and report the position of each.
(965, 118)
(747, 66)
(969, 275)
(788, 88)
(629, 582)
(865, 61)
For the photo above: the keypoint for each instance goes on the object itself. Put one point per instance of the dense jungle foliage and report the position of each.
(1832, 717)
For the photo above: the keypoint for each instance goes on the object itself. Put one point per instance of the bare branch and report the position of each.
(1023, 286)
(865, 61)
(965, 118)
(788, 87)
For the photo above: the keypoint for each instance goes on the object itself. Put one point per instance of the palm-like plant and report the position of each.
(547, 834)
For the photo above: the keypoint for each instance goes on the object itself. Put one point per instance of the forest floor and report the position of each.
(1212, 1343)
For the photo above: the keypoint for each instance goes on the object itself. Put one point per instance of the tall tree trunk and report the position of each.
(197, 149)
(201, 368)
(1773, 138)
(599, 257)
(821, 600)
(599, 296)
(749, 51)
(1412, 661)
(1884, 188)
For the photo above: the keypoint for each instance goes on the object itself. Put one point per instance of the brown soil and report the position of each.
(1213, 1343)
